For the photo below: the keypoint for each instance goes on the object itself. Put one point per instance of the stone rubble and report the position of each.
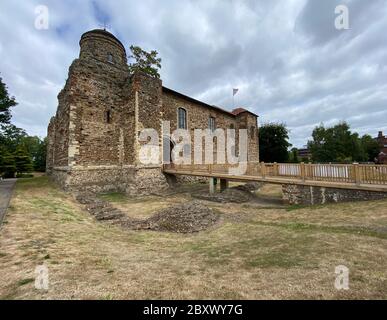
(181, 218)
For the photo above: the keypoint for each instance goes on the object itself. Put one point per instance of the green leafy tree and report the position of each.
(6, 103)
(293, 156)
(273, 142)
(370, 146)
(23, 161)
(39, 157)
(31, 144)
(36, 148)
(336, 144)
(11, 136)
(147, 62)
(7, 164)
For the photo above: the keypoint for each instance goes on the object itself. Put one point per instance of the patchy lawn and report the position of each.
(254, 253)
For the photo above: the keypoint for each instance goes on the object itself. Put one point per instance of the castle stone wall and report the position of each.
(93, 140)
(198, 117)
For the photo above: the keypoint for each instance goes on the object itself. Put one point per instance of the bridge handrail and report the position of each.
(342, 173)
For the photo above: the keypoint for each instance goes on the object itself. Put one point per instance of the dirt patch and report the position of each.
(188, 217)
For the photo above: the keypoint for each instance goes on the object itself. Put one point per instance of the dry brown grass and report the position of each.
(255, 253)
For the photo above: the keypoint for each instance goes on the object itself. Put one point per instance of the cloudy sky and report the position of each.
(287, 58)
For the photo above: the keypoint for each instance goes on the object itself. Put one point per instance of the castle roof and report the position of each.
(103, 33)
(188, 98)
(238, 111)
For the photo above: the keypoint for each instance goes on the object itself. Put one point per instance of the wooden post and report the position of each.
(356, 173)
(275, 169)
(263, 169)
(302, 171)
(311, 170)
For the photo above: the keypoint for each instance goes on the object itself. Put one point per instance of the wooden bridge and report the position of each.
(362, 177)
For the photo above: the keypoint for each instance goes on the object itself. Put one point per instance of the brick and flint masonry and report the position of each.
(93, 139)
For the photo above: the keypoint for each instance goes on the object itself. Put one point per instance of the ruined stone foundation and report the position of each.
(310, 195)
(130, 179)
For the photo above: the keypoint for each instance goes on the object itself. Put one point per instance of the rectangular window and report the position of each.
(108, 116)
(182, 118)
(211, 123)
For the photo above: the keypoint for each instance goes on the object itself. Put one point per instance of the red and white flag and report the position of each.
(234, 91)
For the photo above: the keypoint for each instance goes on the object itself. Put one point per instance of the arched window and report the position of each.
(211, 123)
(182, 118)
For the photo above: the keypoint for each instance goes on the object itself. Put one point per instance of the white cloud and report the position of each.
(289, 62)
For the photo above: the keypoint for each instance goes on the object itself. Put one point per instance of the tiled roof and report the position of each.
(238, 111)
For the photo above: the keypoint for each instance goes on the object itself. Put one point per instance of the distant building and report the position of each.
(304, 154)
(382, 140)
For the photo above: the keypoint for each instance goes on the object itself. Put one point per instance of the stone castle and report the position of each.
(93, 139)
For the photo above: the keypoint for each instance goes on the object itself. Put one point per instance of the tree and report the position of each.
(11, 136)
(7, 164)
(370, 146)
(6, 103)
(36, 148)
(23, 161)
(293, 156)
(273, 142)
(336, 144)
(39, 157)
(147, 62)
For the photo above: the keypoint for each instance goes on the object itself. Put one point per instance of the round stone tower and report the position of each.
(103, 46)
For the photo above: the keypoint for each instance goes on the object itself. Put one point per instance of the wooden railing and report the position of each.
(340, 173)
